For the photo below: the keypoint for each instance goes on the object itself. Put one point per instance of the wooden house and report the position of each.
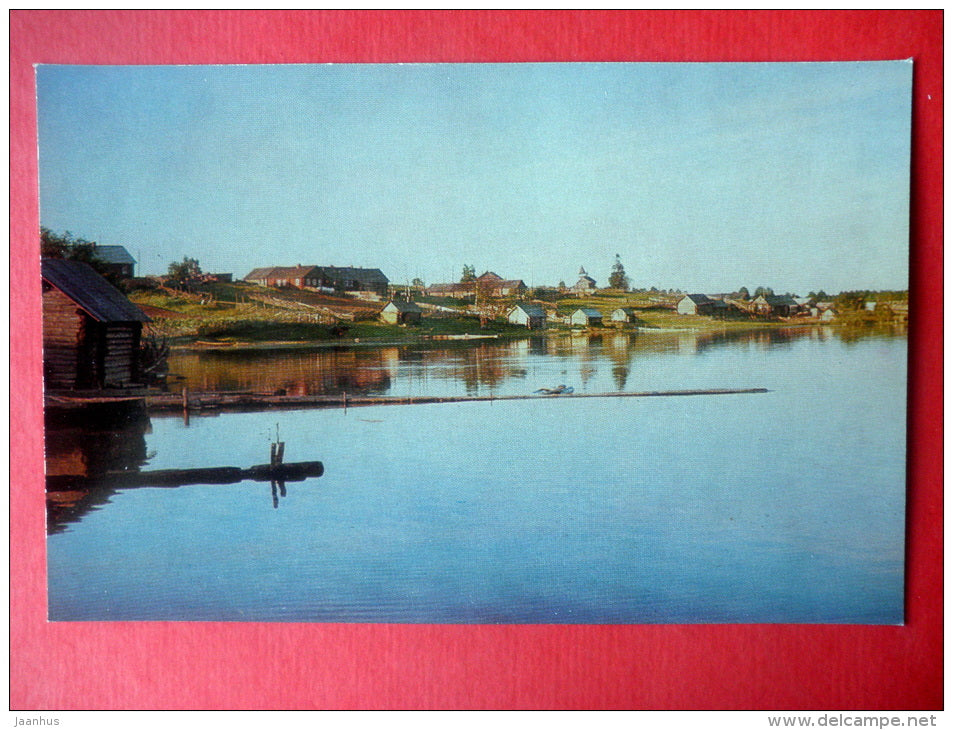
(116, 260)
(456, 291)
(775, 305)
(91, 331)
(489, 284)
(347, 279)
(401, 313)
(336, 278)
(624, 315)
(694, 304)
(531, 316)
(586, 317)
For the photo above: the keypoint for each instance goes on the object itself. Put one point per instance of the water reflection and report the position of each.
(84, 444)
(94, 452)
(591, 361)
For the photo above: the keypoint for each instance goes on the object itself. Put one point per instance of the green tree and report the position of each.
(469, 274)
(182, 273)
(66, 246)
(618, 279)
(417, 282)
(743, 294)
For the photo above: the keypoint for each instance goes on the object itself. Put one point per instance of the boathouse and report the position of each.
(531, 316)
(694, 304)
(624, 315)
(587, 317)
(91, 331)
(401, 313)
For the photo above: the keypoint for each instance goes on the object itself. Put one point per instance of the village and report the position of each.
(105, 327)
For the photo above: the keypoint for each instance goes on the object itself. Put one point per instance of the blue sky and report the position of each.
(703, 177)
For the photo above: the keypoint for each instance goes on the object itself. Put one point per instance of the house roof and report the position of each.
(626, 310)
(96, 296)
(699, 298)
(585, 280)
(532, 310)
(465, 287)
(489, 276)
(113, 255)
(780, 300)
(260, 273)
(364, 276)
(589, 312)
(404, 307)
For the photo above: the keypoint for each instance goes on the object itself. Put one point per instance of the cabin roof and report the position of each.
(113, 254)
(532, 310)
(699, 298)
(405, 307)
(100, 299)
(589, 312)
(625, 310)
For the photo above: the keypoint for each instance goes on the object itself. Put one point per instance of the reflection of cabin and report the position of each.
(585, 285)
(401, 313)
(586, 317)
(115, 260)
(626, 315)
(828, 315)
(531, 316)
(91, 332)
(694, 304)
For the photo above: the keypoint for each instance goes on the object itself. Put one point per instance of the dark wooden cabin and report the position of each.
(91, 331)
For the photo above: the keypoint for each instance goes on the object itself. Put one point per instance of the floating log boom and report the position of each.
(257, 402)
(293, 472)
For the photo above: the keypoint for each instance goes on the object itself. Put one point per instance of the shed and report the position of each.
(91, 331)
(401, 313)
(586, 317)
(694, 304)
(531, 316)
(624, 314)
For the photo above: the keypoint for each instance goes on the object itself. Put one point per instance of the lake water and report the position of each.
(786, 506)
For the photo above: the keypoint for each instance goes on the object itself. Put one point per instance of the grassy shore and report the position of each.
(242, 315)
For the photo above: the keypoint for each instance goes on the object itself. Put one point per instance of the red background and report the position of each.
(59, 666)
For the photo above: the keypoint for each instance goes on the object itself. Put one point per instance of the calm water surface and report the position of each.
(786, 506)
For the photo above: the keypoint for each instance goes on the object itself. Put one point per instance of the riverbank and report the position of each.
(241, 317)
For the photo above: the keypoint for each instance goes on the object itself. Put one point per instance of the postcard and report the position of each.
(536, 343)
